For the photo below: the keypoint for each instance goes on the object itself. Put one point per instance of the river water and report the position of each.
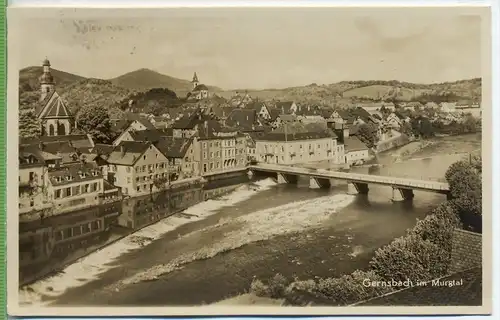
(215, 249)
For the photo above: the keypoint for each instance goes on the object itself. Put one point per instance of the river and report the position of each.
(214, 249)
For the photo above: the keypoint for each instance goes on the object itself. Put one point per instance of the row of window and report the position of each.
(78, 230)
(227, 164)
(77, 190)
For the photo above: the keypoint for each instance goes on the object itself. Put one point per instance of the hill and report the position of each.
(28, 78)
(145, 79)
(95, 92)
(346, 92)
(155, 101)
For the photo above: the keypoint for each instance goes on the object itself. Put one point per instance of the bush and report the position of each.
(345, 290)
(277, 286)
(410, 257)
(259, 289)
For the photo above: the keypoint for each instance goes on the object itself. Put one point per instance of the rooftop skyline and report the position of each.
(258, 48)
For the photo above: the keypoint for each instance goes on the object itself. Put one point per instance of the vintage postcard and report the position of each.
(232, 161)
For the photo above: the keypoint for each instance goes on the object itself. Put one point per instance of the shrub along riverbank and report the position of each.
(423, 254)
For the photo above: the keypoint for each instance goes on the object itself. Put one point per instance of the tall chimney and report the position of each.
(122, 150)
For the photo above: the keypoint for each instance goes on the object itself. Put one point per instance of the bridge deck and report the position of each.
(356, 177)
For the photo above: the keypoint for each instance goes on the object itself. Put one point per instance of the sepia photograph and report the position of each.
(249, 161)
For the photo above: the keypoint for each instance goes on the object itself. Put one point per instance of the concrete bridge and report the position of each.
(402, 188)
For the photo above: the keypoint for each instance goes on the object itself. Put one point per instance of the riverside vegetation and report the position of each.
(423, 254)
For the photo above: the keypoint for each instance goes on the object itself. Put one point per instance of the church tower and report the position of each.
(195, 81)
(47, 83)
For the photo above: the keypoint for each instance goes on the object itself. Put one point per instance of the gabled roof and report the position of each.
(174, 147)
(200, 87)
(127, 153)
(146, 135)
(54, 107)
(352, 144)
(274, 113)
(72, 173)
(284, 106)
(242, 118)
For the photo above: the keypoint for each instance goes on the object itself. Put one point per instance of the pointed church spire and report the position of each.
(47, 82)
(195, 81)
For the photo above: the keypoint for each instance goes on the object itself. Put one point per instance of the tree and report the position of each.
(29, 125)
(94, 120)
(465, 181)
(367, 134)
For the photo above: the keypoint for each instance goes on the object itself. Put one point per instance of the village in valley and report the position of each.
(113, 163)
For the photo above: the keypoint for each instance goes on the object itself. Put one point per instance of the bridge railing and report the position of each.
(408, 180)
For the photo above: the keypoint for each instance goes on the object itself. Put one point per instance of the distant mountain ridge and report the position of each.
(139, 80)
(145, 79)
(336, 95)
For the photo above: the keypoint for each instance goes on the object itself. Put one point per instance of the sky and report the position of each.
(256, 48)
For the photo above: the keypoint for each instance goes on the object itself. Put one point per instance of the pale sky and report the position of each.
(258, 48)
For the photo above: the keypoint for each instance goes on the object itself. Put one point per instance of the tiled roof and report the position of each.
(41, 105)
(173, 147)
(103, 149)
(467, 294)
(78, 140)
(72, 173)
(200, 87)
(54, 108)
(284, 106)
(146, 135)
(127, 152)
(31, 156)
(295, 136)
(352, 144)
(190, 120)
(242, 118)
(274, 113)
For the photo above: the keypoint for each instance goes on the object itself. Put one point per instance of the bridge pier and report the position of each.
(357, 188)
(318, 183)
(400, 194)
(287, 178)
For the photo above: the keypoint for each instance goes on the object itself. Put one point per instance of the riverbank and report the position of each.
(88, 268)
(343, 240)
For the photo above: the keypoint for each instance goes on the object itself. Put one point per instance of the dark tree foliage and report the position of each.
(94, 120)
(465, 180)
(367, 133)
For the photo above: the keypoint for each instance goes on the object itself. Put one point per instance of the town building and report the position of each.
(33, 175)
(221, 149)
(287, 107)
(356, 152)
(181, 155)
(200, 91)
(74, 186)
(54, 116)
(137, 167)
(301, 147)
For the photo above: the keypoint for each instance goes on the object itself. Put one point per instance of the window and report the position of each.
(58, 194)
(204, 155)
(144, 157)
(86, 188)
(128, 169)
(211, 155)
(68, 192)
(32, 203)
(204, 167)
(138, 169)
(211, 165)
